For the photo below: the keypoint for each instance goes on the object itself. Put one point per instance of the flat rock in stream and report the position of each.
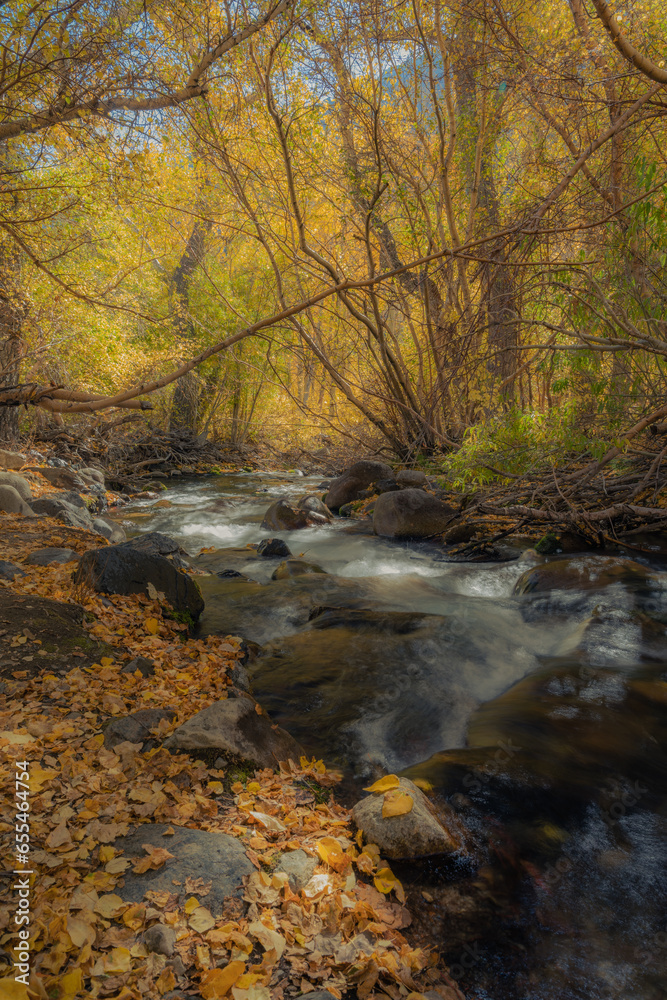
(414, 834)
(213, 857)
(239, 729)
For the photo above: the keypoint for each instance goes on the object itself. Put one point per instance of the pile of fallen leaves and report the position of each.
(342, 931)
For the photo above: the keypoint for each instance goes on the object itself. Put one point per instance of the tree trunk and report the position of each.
(12, 314)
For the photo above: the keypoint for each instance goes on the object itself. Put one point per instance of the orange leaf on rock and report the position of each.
(155, 859)
(396, 803)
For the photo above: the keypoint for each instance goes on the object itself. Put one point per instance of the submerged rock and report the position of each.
(355, 481)
(295, 567)
(584, 573)
(214, 857)
(284, 516)
(238, 728)
(411, 513)
(415, 834)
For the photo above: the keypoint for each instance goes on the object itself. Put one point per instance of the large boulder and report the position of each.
(11, 459)
(11, 502)
(214, 857)
(414, 834)
(411, 477)
(354, 482)
(21, 485)
(63, 510)
(123, 569)
(237, 729)
(411, 513)
(156, 543)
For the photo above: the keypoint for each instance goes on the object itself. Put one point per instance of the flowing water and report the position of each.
(530, 694)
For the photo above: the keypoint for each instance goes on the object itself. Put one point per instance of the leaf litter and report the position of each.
(340, 932)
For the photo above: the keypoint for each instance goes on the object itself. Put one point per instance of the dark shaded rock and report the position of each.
(415, 834)
(135, 728)
(295, 567)
(11, 459)
(62, 479)
(315, 504)
(11, 502)
(299, 868)
(63, 510)
(273, 547)
(351, 485)
(231, 574)
(589, 573)
(240, 677)
(124, 569)
(110, 530)
(8, 570)
(214, 857)
(411, 477)
(411, 514)
(383, 486)
(145, 666)
(63, 641)
(160, 940)
(157, 544)
(46, 557)
(74, 498)
(234, 727)
(21, 485)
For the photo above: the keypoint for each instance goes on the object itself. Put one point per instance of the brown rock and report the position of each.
(415, 834)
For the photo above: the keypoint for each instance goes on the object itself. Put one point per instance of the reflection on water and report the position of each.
(531, 695)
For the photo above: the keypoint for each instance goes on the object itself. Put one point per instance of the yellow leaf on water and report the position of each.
(396, 803)
(384, 784)
(216, 983)
(152, 625)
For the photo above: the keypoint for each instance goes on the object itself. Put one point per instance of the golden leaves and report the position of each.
(396, 803)
(156, 857)
(384, 784)
(216, 983)
(201, 920)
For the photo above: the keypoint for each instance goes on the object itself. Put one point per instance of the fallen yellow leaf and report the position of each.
(215, 983)
(384, 784)
(396, 803)
(152, 625)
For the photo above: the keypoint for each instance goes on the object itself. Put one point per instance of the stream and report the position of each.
(530, 694)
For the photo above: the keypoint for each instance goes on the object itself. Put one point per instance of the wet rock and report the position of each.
(50, 556)
(585, 573)
(418, 833)
(354, 481)
(158, 544)
(8, 570)
(240, 677)
(270, 547)
(124, 569)
(411, 514)
(284, 516)
(235, 728)
(314, 503)
(11, 459)
(63, 510)
(160, 940)
(110, 530)
(231, 574)
(11, 502)
(411, 477)
(62, 479)
(135, 728)
(299, 868)
(145, 666)
(214, 857)
(21, 485)
(461, 532)
(295, 567)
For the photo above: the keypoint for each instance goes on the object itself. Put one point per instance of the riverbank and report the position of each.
(332, 919)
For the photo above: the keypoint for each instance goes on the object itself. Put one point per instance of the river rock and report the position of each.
(11, 502)
(299, 868)
(63, 510)
(11, 459)
(354, 481)
(51, 556)
(313, 503)
(411, 514)
(588, 572)
(110, 530)
(284, 516)
(62, 479)
(135, 728)
(214, 857)
(411, 477)
(145, 666)
(158, 544)
(21, 485)
(124, 569)
(160, 940)
(93, 474)
(270, 547)
(8, 570)
(295, 567)
(416, 834)
(235, 728)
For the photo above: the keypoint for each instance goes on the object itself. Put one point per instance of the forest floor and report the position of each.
(62, 649)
